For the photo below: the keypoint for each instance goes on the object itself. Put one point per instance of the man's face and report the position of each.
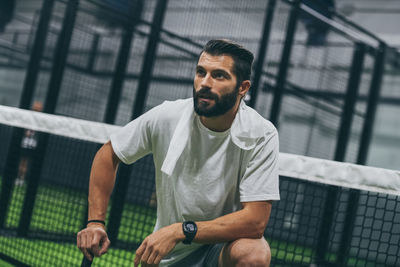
(215, 89)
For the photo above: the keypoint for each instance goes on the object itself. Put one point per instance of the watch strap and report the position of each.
(189, 229)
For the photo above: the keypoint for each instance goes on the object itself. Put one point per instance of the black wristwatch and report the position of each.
(190, 230)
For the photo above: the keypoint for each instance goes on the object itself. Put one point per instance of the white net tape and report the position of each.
(306, 168)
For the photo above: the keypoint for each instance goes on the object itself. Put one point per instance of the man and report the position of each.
(216, 171)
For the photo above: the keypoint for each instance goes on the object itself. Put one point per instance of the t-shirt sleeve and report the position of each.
(261, 179)
(134, 140)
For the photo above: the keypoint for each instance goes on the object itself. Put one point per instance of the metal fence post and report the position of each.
(350, 101)
(118, 77)
(13, 154)
(284, 64)
(354, 195)
(373, 98)
(262, 51)
(124, 172)
(36, 55)
(60, 58)
(149, 58)
(121, 65)
(341, 146)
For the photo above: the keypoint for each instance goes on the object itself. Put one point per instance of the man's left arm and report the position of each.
(249, 222)
(260, 179)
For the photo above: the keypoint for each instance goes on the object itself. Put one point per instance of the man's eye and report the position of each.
(219, 75)
(200, 72)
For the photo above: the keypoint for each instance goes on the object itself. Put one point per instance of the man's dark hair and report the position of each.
(243, 58)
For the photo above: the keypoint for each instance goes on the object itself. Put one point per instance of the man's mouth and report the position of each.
(205, 96)
(205, 99)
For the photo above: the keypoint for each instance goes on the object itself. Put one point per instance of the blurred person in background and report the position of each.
(28, 146)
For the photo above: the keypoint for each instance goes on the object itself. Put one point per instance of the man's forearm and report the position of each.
(250, 222)
(102, 179)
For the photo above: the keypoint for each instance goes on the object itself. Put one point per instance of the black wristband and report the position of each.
(96, 221)
(189, 229)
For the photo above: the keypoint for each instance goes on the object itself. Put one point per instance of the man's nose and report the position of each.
(206, 82)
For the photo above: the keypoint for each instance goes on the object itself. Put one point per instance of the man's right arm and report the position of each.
(102, 180)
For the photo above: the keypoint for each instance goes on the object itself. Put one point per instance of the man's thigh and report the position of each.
(245, 252)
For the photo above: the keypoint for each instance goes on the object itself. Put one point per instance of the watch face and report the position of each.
(190, 230)
(190, 227)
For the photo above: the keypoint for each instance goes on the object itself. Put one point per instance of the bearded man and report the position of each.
(216, 171)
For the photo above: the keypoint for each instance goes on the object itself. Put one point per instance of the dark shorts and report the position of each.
(27, 152)
(206, 256)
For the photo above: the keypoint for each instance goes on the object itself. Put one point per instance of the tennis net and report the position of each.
(45, 162)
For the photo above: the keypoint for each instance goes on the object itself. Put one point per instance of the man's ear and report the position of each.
(244, 88)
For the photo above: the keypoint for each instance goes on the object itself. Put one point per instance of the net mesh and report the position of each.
(60, 202)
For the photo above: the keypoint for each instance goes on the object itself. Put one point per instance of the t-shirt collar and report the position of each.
(244, 133)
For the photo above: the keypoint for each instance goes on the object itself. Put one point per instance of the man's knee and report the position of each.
(246, 252)
(252, 259)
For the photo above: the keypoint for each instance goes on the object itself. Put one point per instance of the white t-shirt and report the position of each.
(201, 174)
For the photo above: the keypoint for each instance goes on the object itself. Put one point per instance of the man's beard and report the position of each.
(222, 104)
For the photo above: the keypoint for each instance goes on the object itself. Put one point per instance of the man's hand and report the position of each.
(93, 240)
(157, 245)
